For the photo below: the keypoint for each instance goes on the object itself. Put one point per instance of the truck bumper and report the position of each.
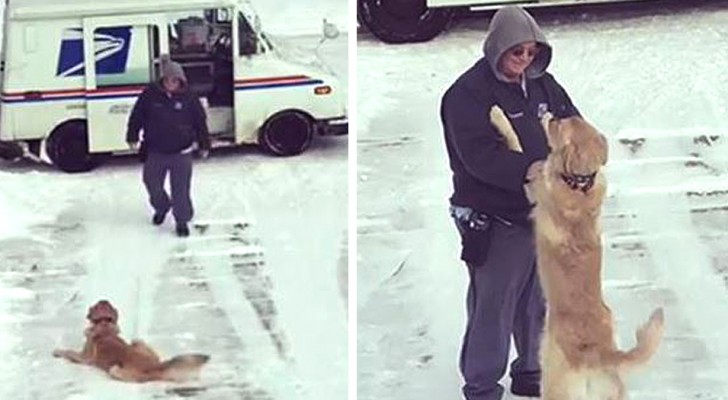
(333, 127)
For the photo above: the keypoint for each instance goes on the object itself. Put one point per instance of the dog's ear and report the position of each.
(570, 157)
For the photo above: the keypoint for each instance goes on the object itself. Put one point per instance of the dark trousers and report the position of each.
(504, 298)
(179, 168)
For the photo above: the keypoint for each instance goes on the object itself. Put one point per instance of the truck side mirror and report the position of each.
(330, 30)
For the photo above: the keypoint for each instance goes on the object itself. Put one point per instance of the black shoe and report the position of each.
(158, 219)
(183, 230)
(525, 388)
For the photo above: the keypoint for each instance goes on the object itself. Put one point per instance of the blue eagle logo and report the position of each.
(111, 51)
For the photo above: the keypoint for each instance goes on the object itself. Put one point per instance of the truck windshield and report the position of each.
(249, 42)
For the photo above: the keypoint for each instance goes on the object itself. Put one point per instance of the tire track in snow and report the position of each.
(680, 263)
(245, 305)
(192, 318)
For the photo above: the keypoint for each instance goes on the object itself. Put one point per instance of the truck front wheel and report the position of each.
(287, 133)
(67, 147)
(401, 21)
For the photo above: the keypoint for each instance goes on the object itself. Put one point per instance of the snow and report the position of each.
(283, 17)
(652, 81)
(265, 299)
(301, 17)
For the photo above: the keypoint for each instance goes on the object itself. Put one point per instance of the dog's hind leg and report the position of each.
(555, 383)
(132, 375)
(122, 374)
(606, 385)
(144, 349)
(619, 391)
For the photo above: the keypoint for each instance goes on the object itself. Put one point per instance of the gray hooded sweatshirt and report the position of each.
(512, 26)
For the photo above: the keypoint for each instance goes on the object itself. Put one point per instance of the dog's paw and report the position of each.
(545, 119)
(501, 123)
(58, 353)
(498, 117)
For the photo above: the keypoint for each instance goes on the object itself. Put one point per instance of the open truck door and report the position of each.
(126, 51)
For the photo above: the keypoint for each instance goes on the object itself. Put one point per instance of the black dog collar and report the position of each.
(579, 182)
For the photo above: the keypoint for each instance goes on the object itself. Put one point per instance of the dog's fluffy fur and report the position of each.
(135, 362)
(579, 357)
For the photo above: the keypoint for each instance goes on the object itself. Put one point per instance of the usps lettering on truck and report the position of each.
(111, 51)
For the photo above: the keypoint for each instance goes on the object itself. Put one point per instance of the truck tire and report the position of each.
(287, 133)
(402, 21)
(67, 147)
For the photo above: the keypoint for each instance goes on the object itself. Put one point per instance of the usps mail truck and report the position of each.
(72, 70)
(401, 21)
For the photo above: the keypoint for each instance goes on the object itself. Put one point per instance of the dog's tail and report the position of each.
(182, 368)
(648, 339)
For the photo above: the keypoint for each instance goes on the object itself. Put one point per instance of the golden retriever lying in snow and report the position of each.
(135, 362)
(579, 357)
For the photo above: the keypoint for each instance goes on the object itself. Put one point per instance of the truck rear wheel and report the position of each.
(401, 21)
(287, 133)
(67, 147)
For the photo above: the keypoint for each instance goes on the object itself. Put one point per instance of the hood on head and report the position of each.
(171, 69)
(512, 26)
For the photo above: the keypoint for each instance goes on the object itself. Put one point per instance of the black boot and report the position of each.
(183, 230)
(526, 388)
(158, 218)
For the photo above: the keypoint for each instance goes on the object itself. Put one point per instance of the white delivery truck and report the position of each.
(58, 105)
(402, 21)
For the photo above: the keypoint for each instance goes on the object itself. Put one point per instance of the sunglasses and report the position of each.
(100, 320)
(520, 50)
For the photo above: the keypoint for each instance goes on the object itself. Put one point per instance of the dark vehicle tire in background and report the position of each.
(403, 21)
(287, 133)
(67, 147)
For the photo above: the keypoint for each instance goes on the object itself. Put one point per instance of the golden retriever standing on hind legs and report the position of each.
(579, 357)
(135, 362)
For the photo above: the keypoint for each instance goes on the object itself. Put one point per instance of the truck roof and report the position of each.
(36, 9)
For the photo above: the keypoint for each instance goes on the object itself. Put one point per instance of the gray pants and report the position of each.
(179, 168)
(504, 298)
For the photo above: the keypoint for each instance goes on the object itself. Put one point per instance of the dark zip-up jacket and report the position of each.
(486, 175)
(171, 123)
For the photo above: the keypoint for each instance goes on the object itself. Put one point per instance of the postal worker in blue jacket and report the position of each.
(489, 204)
(175, 126)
